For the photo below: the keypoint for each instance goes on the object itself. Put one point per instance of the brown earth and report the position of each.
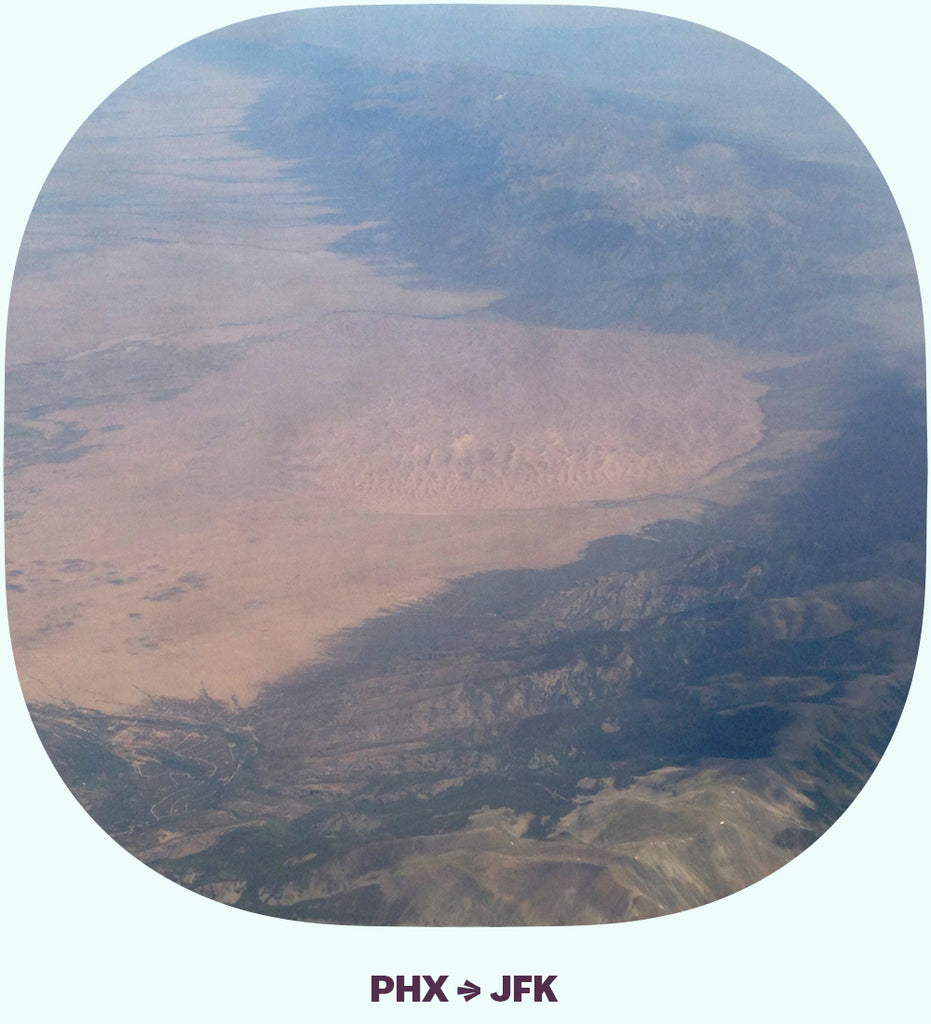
(368, 441)
(220, 536)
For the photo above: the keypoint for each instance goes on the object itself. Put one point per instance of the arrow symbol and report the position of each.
(470, 990)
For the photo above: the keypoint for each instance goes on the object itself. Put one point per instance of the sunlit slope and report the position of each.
(654, 726)
(454, 480)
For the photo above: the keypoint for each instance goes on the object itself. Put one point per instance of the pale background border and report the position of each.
(89, 934)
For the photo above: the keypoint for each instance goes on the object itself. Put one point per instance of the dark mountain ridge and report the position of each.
(590, 207)
(722, 655)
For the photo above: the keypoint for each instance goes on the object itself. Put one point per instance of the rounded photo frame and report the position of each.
(194, 585)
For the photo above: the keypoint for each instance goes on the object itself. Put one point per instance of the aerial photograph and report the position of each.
(465, 465)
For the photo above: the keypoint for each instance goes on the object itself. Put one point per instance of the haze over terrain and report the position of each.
(465, 465)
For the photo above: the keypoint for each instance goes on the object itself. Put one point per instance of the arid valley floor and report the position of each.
(441, 490)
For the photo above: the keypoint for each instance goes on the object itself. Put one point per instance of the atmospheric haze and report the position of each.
(465, 465)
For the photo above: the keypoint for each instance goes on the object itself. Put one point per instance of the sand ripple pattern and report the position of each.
(449, 416)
